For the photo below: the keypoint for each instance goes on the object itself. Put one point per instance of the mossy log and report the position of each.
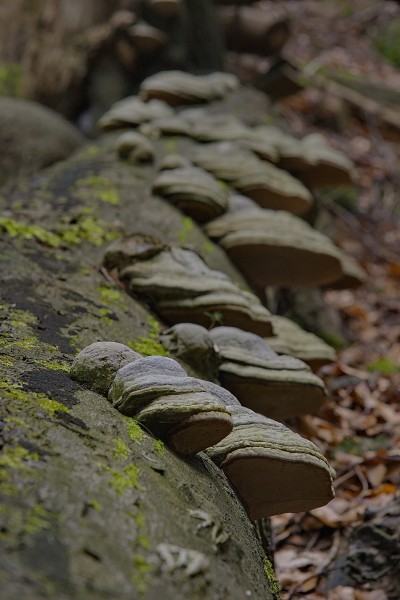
(92, 505)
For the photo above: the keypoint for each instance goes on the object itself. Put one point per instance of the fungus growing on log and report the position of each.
(181, 287)
(173, 161)
(157, 392)
(275, 386)
(271, 468)
(133, 111)
(291, 339)
(147, 39)
(276, 248)
(192, 190)
(177, 87)
(312, 159)
(134, 147)
(269, 186)
(353, 275)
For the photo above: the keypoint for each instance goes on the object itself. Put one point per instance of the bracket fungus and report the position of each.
(192, 190)
(312, 159)
(132, 112)
(276, 248)
(272, 469)
(177, 87)
(193, 344)
(134, 147)
(272, 385)
(269, 186)
(275, 386)
(157, 392)
(291, 339)
(181, 287)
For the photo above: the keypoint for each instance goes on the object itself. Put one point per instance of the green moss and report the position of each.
(207, 247)
(185, 231)
(15, 391)
(121, 449)
(91, 151)
(126, 480)
(112, 296)
(97, 188)
(20, 229)
(106, 314)
(14, 458)
(159, 447)
(11, 80)
(95, 504)
(133, 430)
(141, 575)
(86, 227)
(215, 317)
(273, 583)
(53, 365)
(149, 346)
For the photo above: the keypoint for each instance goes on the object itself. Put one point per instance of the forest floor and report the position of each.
(359, 426)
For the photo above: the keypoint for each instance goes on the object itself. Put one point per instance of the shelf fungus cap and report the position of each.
(173, 161)
(192, 190)
(135, 147)
(157, 392)
(191, 343)
(177, 87)
(269, 186)
(275, 386)
(132, 112)
(291, 339)
(129, 249)
(182, 288)
(353, 275)
(276, 248)
(272, 469)
(147, 39)
(96, 365)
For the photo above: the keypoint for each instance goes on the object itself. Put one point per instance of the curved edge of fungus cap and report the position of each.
(96, 365)
(272, 469)
(158, 393)
(275, 386)
(135, 147)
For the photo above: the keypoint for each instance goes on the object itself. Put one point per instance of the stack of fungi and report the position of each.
(192, 190)
(275, 247)
(194, 415)
(176, 87)
(272, 385)
(132, 112)
(267, 185)
(289, 338)
(181, 287)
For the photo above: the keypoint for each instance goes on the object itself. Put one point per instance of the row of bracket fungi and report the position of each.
(194, 415)
(256, 356)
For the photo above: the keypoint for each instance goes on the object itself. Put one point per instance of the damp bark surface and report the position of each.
(92, 506)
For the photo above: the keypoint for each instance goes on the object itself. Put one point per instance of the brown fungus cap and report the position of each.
(134, 147)
(276, 248)
(275, 386)
(156, 391)
(272, 469)
(182, 288)
(192, 190)
(269, 186)
(132, 112)
(291, 339)
(177, 87)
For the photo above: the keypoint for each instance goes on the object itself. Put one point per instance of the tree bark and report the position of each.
(92, 506)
